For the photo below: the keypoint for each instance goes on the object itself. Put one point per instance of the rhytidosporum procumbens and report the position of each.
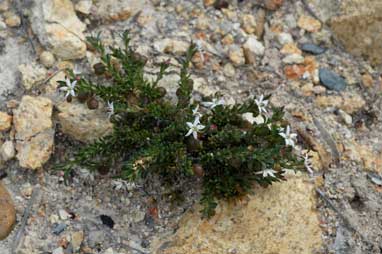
(229, 146)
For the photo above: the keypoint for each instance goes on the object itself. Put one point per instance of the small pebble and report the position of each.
(47, 59)
(312, 49)
(331, 80)
(107, 220)
(59, 228)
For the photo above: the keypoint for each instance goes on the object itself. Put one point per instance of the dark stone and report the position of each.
(221, 4)
(312, 49)
(59, 228)
(331, 80)
(107, 221)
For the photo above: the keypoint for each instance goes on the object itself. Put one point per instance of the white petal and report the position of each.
(67, 82)
(63, 88)
(259, 119)
(189, 133)
(200, 127)
(74, 83)
(190, 125)
(72, 93)
(195, 134)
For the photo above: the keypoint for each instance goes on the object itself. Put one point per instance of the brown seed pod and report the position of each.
(162, 91)
(198, 170)
(69, 98)
(99, 68)
(92, 103)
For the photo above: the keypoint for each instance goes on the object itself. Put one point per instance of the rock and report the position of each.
(168, 45)
(12, 20)
(331, 80)
(253, 45)
(76, 240)
(260, 22)
(309, 24)
(290, 48)
(84, 6)
(312, 49)
(307, 89)
(5, 121)
(228, 39)
(367, 80)
(4, 6)
(208, 2)
(7, 150)
(109, 251)
(7, 213)
(364, 17)
(82, 123)
(110, 10)
(249, 23)
(47, 59)
(347, 119)
(229, 70)
(273, 5)
(236, 55)
(284, 38)
(295, 71)
(293, 59)
(58, 28)
(31, 74)
(59, 250)
(264, 223)
(34, 131)
(349, 102)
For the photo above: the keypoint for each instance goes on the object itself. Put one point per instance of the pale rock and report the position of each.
(266, 222)
(82, 123)
(84, 6)
(34, 131)
(111, 10)
(168, 45)
(26, 190)
(309, 24)
(208, 2)
(3, 26)
(47, 59)
(4, 6)
(145, 17)
(284, 38)
(7, 150)
(236, 55)
(12, 20)
(109, 251)
(5, 121)
(31, 74)
(293, 59)
(254, 46)
(58, 28)
(349, 102)
(346, 118)
(290, 48)
(307, 89)
(249, 23)
(64, 215)
(76, 240)
(7, 212)
(59, 250)
(203, 23)
(319, 90)
(229, 70)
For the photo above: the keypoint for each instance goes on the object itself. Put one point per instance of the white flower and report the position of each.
(215, 102)
(110, 109)
(288, 137)
(69, 88)
(194, 128)
(259, 119)
(195, 112)
(261, 104)
(249, 117)
(120, 184)
(308, 164)
(267, 172)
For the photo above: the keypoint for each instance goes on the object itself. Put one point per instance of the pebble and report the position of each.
(76, 240)
(309, 24)
(345, 117)
(293, 59)
(236, 55)
(7, 150)
(7, 213)
(84, 6)
(249, 24)
(229, 70)
(312, 48)
(284, 38)
(59, 250)
(331, 80)
(273, 5)
(64, 215)
(290, 48)
(107, 220)
(12, 20)
(253, 45)
(59, 228)
(5, 121)
(47, 59)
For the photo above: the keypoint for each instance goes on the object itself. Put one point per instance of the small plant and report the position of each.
(222, 144)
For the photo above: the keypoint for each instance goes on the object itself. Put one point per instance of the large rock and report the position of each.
(58, 28)
(111, 10)
(34, 131)
(357, 24)
(7, 213)
(280, 219)
(82, 123)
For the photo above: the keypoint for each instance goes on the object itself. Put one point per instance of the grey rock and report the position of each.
(331, 80)
(59, 228)
(312, 48)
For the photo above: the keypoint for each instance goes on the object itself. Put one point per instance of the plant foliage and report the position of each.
(226, 150)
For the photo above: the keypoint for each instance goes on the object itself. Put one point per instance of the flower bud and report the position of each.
(198, 170)
(92, 103)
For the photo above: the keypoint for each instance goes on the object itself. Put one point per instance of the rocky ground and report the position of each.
(320, 59)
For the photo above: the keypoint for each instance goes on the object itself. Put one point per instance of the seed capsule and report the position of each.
(99, 68)
(198, 170)
(92, 103)
(69, 98)
(83, 96)
(162, 91)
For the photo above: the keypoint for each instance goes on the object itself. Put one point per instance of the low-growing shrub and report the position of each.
(224, 145)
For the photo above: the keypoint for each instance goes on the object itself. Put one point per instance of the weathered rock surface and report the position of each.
(7, 213)
(110, 10)
(280, 219)
(31, 74)
(58, 28)
(5, 121)
(82, 123)
(34, 132)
